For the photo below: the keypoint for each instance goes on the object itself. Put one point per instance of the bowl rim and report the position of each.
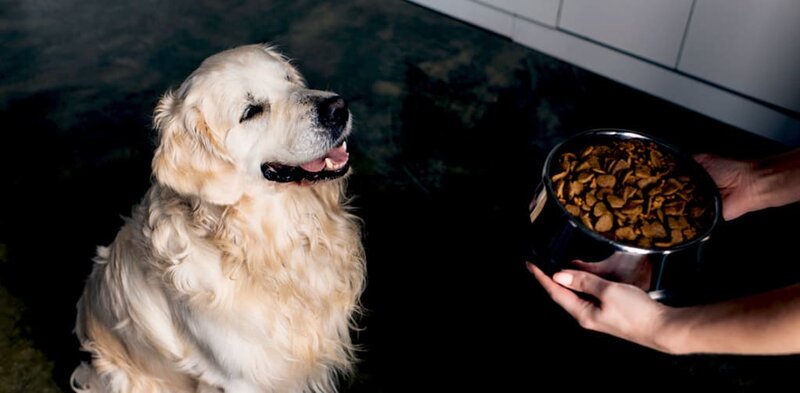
(682, 158)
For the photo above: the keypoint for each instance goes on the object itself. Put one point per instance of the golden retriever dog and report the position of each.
(241, 269)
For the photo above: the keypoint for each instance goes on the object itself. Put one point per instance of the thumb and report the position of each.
(702, 157)
(585, 282)
(705, 160)
(709, 163)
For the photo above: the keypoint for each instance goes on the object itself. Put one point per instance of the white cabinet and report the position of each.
(752, 47)
(651, 29)
(542, 11)
(490, 18)
(737, 61)
(479, 14)
(457, 8)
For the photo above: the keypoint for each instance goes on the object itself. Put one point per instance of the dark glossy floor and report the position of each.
(452, 126)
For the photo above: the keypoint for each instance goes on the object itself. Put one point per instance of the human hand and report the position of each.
(735, 180)
(620, 310)
(634, 271)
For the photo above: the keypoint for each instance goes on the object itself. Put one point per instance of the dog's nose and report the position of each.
(332, 113)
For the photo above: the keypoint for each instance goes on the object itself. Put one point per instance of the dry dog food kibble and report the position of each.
(630, 191)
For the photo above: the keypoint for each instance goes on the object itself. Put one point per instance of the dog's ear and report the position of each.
(189, 159)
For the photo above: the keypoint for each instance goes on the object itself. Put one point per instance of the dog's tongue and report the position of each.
(314, 166)
(338, 157)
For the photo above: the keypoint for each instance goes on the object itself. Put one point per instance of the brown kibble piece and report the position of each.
(655, 158)
(677, 222)
(675, 208)
(628, 178)
(615, 201)
(604, 223)
(670, 187)
(590, 199)
(604, 192)
(574, 210)
(559, 176)
(654, 229)
(625, 233)
(643, 183)
(585, 177)
(632, 209)
(657, 189)
(594, 162)
(600, 209)
(677, 236)
(587, 221)
(606, 181)
(658, 201)
(642, 172)
(619, 166)
(575, 188)
(696, 212)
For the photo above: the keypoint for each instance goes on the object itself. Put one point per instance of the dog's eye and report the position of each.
(250, 112)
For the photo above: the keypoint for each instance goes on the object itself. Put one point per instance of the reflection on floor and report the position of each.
(452, 126)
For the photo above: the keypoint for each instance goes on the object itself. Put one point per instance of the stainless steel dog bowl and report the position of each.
(557, 239)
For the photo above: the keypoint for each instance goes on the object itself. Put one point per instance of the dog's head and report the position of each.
(243, 118)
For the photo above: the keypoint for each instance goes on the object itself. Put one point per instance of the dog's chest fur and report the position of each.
(267, 288)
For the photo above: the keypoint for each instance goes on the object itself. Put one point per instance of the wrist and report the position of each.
(757, 182)
(771, 185)
(672, 334)
(777, 179)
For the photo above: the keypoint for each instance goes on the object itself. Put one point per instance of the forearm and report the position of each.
(777, 180)
(767, 323)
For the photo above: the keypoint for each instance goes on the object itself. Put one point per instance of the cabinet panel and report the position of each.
(489, 18)
(473, 12)
(752, 47)
(456, 8)
(651, 29)
(543, 11)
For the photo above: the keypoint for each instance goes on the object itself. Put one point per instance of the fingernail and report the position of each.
(563, 278)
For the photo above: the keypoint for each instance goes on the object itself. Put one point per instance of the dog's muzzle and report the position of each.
(332, 116)
(335, 164)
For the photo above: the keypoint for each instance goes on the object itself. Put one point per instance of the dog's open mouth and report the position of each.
(331, 166)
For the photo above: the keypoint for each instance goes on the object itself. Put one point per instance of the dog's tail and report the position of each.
(85, 380)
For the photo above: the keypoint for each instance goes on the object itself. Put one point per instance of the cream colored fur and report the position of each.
(221, 280)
